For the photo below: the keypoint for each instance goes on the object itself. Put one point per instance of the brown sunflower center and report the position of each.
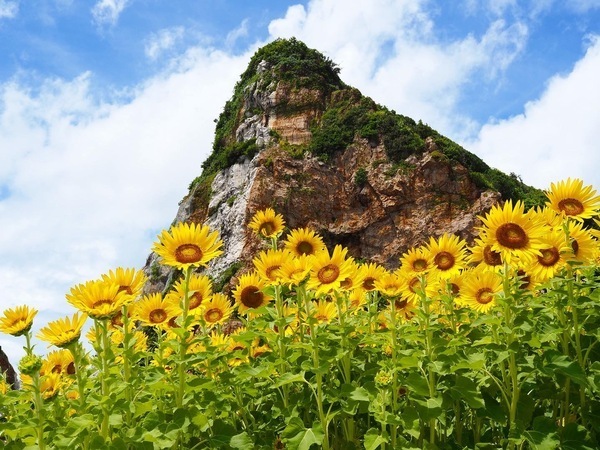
(57, 368)
(188, 254)
(117, 319)
(444, 260)
(305, 248)
(328, 274)
(346, 283)
(419, 265)
(172, 323)
(99, 303)
(414, 284)
(571, 206)
(267, 228)
(491, 257)
(71, 368)
(213, 315)
(454, 289)
(524, 279)
(126, 289)
(400, 304)
(575, 246)
(369, 283)
(484, 296)
(549, 257)
(512, 236)
(271, 272)
(157, 316)
(195, 300)
(251, 297)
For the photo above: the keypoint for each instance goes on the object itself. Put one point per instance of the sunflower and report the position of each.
(483, 255)
(152, 310)
(259, 348)
(480, 289)
(18, 320)
(454, 285)
(584, 248)
(328, 272)
(448, 253)
(571, 198)
(294, 270)
(303, 242)
(199, 290)
(50, 384)
(188, 245)
(414, 286)
(371, 274)
(514, 234)
(63, 332)
(549, 216)
(249, 293)
(98, 299)
(324, 311)
(416, 260)
(217, 310)
(59, 361)
(129, 280)
(268, 264)
(357, 300)
(390, 284)
(355, 279)
(551, 260)
(267, 223)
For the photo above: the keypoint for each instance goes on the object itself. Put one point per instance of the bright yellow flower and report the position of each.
(328, 272)
(129, 280)
(355, 278)
(416, 260)
(18, 320)
(98, 299)
(357, 300)
(415, 286)
(571, 198)
(371, 273)
(50, 384)
(584, 248)
(63, 332)
(59, 361)
(259, 348)
(267, 223)
(199, 290)
(294, 270)
(217, 309)
(152, 310)
(448, 253)
(483, 255)
(304, 242)
(188, 245)
(552, 257)
(514, 234)
(480, 289)
(549, 216)
(324, 311)
(390, 284)
(249, 293)
(268, 264)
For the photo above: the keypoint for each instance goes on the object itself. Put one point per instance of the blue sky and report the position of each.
(107, 107)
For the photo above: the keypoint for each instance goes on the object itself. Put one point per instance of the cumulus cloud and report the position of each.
(162, 41)
(8, 9)
(557, 134)
(583, 6)
(107, 12)
(237, 33)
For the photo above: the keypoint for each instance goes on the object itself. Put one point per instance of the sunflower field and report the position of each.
(485, 346)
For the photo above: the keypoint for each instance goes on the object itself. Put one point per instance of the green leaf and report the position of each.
(298, 437)
(288, 378)
(544, 435)
(466, 389)
(360, 394)
(417, 384)
(242, 441)
(373, 439)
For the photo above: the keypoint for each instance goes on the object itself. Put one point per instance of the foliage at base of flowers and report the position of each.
(488, 346)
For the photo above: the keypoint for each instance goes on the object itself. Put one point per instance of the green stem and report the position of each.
(104, 428)
(39, 408)
(346, 362)
(281, 340)
(183, 341)
(127, 364)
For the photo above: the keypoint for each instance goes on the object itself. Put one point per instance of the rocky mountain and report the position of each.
(296, 138)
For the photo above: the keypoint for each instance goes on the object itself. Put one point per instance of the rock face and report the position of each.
(7, 369)
(378, 194)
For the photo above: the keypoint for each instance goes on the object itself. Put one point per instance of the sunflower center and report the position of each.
(71, 368)
(271, 272)
(512, 236)
(117, 319)
(525, 280)
(454, 289)
(266, 228)
(195, 300)
(57, 368)
(346, 283)
(251, 297)
(157, 316)
(400, 304)
(414, 284)
(571, 206)
(575, 246)
(188, 254)
(126, 289)
(491, 257)
(328, 274)
(99, 303)
(484, 296)
(369, 283)
(172, 323)
(419, 265)
(213, 315)
(305, 248)
(550, 256)
(444, 260)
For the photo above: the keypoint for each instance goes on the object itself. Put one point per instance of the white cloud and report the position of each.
(583, 6)
(107, 12)
(162, 41)
(8, 9)
(237, 33)
(91, 184)
(557, 135)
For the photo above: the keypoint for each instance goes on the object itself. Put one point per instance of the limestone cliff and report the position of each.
(296, 138)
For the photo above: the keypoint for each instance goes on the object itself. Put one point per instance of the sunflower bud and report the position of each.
(30, 364)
